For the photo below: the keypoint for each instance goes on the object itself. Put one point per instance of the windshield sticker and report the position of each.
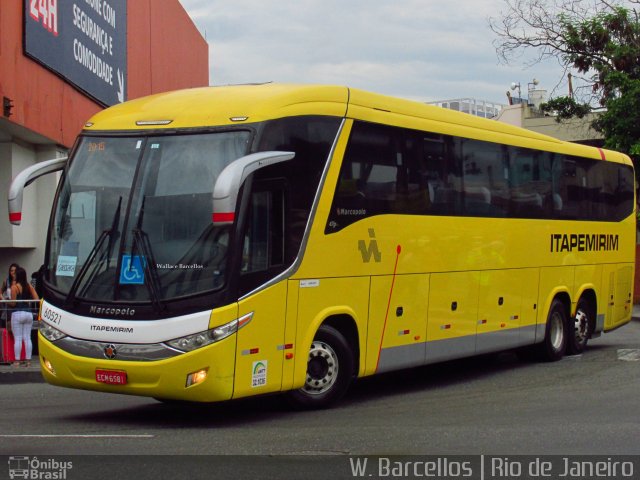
(259, 375)
(66, 266)
(179, 266)
(138, 145)
(132, 271)
(155, 146)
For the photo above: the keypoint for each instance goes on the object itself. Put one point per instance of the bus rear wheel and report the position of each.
(330, 368)
(580, 328)
(554, 345)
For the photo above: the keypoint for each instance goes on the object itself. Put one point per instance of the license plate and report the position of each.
(111, 377)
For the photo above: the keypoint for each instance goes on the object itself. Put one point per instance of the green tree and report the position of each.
(600, 40)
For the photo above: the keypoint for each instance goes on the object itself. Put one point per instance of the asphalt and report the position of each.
(21, 374)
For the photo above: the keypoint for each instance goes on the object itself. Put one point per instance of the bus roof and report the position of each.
(245, 104)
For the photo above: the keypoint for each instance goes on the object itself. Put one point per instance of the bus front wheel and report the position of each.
(330, 368)
(554, 345)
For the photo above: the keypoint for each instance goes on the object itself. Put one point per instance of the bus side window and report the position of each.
(412, 187)
(367, 182)
(624, 192)
(443, 164)
(530, 184)
(263, 242)
(610, 190)
(486, 178)
(384, 171)
(574, 189)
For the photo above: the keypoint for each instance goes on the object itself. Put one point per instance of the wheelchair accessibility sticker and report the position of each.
(132, 270)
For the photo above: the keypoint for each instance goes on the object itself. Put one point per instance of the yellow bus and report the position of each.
(217, 243)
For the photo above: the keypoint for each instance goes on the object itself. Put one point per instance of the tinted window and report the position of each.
(531, 188)
(486, 178)
(311, 138)
(384, 171)
(443, 158)
(389, 170)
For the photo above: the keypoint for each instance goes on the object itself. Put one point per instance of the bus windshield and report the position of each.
(132, 220)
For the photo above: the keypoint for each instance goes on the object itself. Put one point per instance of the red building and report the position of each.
(61, 61)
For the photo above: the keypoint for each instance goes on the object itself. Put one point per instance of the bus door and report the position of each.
(261, 343)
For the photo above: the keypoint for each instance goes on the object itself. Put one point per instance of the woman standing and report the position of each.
(9, 282)
(22, 320)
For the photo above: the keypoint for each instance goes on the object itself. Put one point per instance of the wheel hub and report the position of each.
(557, 331)
(322, 368)
(581, 323)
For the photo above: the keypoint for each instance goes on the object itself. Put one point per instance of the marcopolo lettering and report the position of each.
(583, 242)
(352, 211)
(120, 312)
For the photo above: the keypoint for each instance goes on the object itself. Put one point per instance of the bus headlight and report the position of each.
(202, 339)
(50, 333)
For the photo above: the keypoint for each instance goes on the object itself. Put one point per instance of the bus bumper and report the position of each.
(163, 379)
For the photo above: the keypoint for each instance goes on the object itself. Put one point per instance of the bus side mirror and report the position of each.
(24, 178)
(225, 191)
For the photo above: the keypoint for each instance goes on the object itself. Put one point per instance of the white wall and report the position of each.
(24, 244)
(512, 114)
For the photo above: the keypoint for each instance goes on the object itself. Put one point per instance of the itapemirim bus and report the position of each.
(222, 242)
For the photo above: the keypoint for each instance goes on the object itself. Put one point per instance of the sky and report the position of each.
(425, 50)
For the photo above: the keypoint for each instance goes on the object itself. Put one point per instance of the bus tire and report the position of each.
(580, 327)
(554, 344)
(330, 369)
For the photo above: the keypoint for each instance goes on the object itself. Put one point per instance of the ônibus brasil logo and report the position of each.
(36, 469)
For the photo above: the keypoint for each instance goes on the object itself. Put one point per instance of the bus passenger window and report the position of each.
(574, 189)
(383, 172)
(622, 205)
(530, 183)
(443, 173)
(486, 179)
(367, 182)
(412, 188)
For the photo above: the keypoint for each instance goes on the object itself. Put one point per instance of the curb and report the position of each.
(11, 375)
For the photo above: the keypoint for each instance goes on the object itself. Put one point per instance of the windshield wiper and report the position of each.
(112, 233)
(141, 241)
